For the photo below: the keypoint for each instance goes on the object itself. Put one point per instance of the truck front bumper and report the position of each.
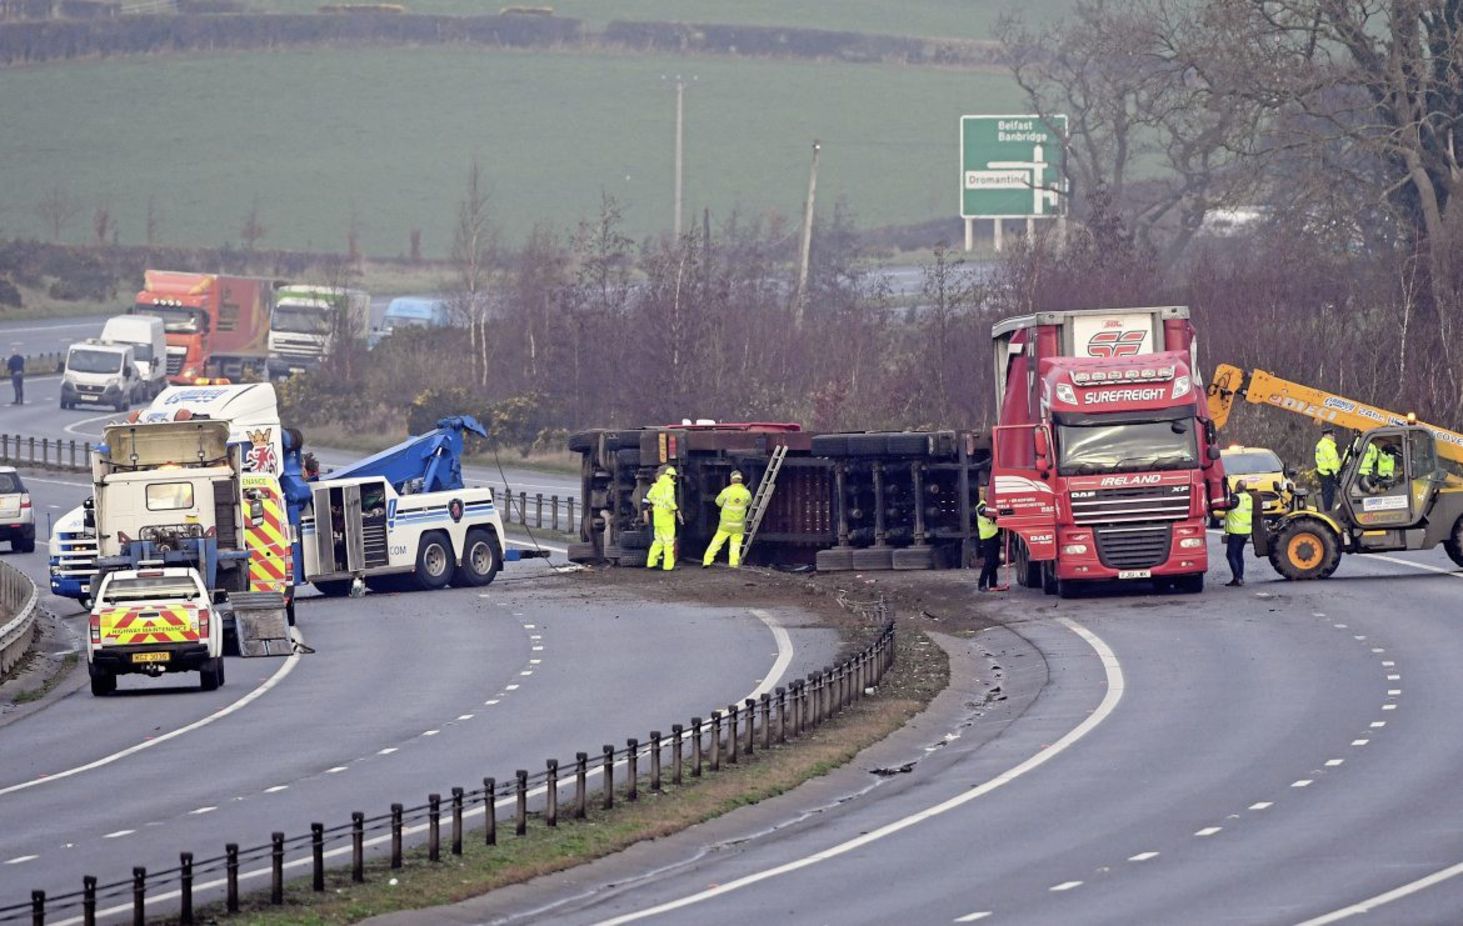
(1078, 555)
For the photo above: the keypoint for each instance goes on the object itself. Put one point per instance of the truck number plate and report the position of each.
(1135, 574)
(149, 657)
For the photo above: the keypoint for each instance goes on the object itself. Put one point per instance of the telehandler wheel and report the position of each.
(480, 561)
(1306, 548)
(435, 562)
(103, 682)
(1454, 544)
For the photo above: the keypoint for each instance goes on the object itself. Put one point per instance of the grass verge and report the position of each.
(921, 670)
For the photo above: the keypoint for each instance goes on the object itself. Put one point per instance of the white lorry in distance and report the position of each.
(148, 337)
(307, 321)
(101, 373)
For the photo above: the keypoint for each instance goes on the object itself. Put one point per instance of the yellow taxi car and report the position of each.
(1262, 471)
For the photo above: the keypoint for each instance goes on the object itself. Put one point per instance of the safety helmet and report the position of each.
(670, 471)
(736, 476)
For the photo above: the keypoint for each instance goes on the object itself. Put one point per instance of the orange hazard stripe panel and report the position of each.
(271, 567)
(173, 624)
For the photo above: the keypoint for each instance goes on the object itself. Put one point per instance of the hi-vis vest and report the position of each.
(733, 502)
(986, 526)
(1240, 518)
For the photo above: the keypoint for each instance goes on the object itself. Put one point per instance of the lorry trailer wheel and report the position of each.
(1305, 549)
(103, 682)
(480, 561)
(434, 562)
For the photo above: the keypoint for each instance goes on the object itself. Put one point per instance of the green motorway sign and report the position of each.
(1012, 167)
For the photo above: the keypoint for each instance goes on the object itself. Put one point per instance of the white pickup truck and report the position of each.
(152, 621)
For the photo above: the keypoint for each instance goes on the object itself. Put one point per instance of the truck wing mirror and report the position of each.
(1043, 451)
(1213, 452)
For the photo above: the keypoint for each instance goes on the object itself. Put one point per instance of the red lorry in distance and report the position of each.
(1104, 464)
(217, 326)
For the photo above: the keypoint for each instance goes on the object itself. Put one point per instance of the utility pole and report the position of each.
(801, 295)
(680, 147)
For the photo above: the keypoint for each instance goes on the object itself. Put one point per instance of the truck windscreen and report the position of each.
(300, 320)
(1084, 450)
(176, 319)
(94, 361)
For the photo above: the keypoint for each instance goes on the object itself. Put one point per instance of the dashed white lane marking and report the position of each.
(1358, 636)
(201, 810)
(1377, 724)
(1318, 614)
(1372, 903)
(1065, 886)
(973, 917)
(279, 675)
(1378, 649)
(1394, 678)
(1262, 805)
(526, 672)
(1303, 783)
(119, 834)
(1209, 831)
(20, 859)
(386, 752)
(1113, 671)
(1332, 763)
(1142, 856)
(510, 687)
(276, 789)
(1389, 707)
(490, 703)
(1339, 626)
(1394, 692)
(336, 770)
(538, 649)
(430, 732)
(1387, 663)
(1360, 742)
(465, 716)
(535, 662)
(528, 626)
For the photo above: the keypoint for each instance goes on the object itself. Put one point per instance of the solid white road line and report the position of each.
(1372, 903)
(1114, 694)
(279, 676)
(973, 917)
(784, 653)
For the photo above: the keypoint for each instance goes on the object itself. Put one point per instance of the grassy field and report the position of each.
(973, 19)
(312, 136)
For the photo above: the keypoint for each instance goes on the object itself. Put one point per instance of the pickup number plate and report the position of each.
(1135, 574)
(149, 657)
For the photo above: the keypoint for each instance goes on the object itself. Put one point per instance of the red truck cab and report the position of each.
(217, 327)
(1104, 464)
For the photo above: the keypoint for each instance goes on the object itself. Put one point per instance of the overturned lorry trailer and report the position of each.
(866, 501)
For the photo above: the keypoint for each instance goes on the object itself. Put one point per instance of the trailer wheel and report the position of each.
(1454, 544)
(103, 682)
(480, 561)
(435, 563)
(1306, 548)
(211, 676)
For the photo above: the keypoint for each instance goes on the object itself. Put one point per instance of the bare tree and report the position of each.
(103, 226)
(154, 222)
(57, 208)
(416, 246)
(473, 244)
(252, 230)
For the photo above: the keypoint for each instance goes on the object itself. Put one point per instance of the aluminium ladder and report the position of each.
(765, 488)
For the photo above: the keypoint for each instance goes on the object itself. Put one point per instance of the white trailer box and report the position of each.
(149, 348)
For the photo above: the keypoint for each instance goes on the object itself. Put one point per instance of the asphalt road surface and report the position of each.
(1284, 753)
(406, 694)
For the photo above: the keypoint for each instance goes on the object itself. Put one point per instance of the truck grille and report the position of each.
(176, 356)
(1133, 547)
(1131, 504)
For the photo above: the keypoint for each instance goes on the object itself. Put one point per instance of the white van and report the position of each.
(101, 373)
(149, 348)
